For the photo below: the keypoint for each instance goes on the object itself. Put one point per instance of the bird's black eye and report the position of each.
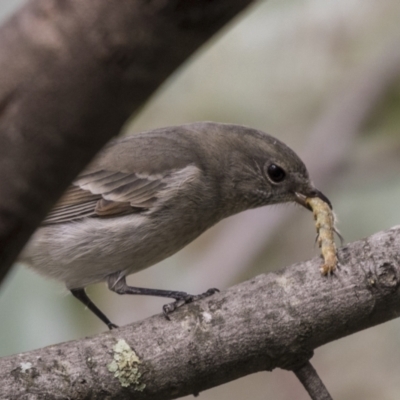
(276, 173)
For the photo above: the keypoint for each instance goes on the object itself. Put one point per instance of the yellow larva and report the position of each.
(325, 224)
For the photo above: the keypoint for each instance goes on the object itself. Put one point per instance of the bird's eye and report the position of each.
(276, 173)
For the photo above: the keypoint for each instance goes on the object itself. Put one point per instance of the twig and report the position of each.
(308, 376)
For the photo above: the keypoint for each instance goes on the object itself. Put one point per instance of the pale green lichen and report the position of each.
(25, 366)
(125, 366)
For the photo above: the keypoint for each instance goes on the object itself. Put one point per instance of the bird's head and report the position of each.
(263, 170)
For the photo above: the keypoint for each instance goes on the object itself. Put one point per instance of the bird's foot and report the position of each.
(185, 298)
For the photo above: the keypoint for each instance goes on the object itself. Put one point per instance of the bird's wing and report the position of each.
(129, 176)
(105, 193)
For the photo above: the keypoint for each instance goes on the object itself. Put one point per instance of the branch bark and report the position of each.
(309, 378)
(72, 72)
(273, 320)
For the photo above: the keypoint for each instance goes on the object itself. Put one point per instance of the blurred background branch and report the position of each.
(71, 74)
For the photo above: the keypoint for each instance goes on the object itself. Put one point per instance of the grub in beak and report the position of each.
(302, 198)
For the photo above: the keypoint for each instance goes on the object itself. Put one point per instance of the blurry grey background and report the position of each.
(324, 77)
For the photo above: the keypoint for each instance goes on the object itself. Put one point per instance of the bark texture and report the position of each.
(72, 72)
(273, 320)
(309, 378)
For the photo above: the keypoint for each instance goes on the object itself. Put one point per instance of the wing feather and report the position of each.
(130, 175)
(105, 194)
(70, 213)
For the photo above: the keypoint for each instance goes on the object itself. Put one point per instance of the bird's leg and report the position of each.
(118, 284)
(81, 295)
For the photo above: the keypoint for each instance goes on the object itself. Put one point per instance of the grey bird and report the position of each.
(146, 196)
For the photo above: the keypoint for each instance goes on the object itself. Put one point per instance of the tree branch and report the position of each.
(72, 72)
(273, 320)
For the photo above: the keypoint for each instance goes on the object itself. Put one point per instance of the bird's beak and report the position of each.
(301, 198)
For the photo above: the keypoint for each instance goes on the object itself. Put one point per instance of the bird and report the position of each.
(146, 196)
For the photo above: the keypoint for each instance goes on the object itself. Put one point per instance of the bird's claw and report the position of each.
(186, 299)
